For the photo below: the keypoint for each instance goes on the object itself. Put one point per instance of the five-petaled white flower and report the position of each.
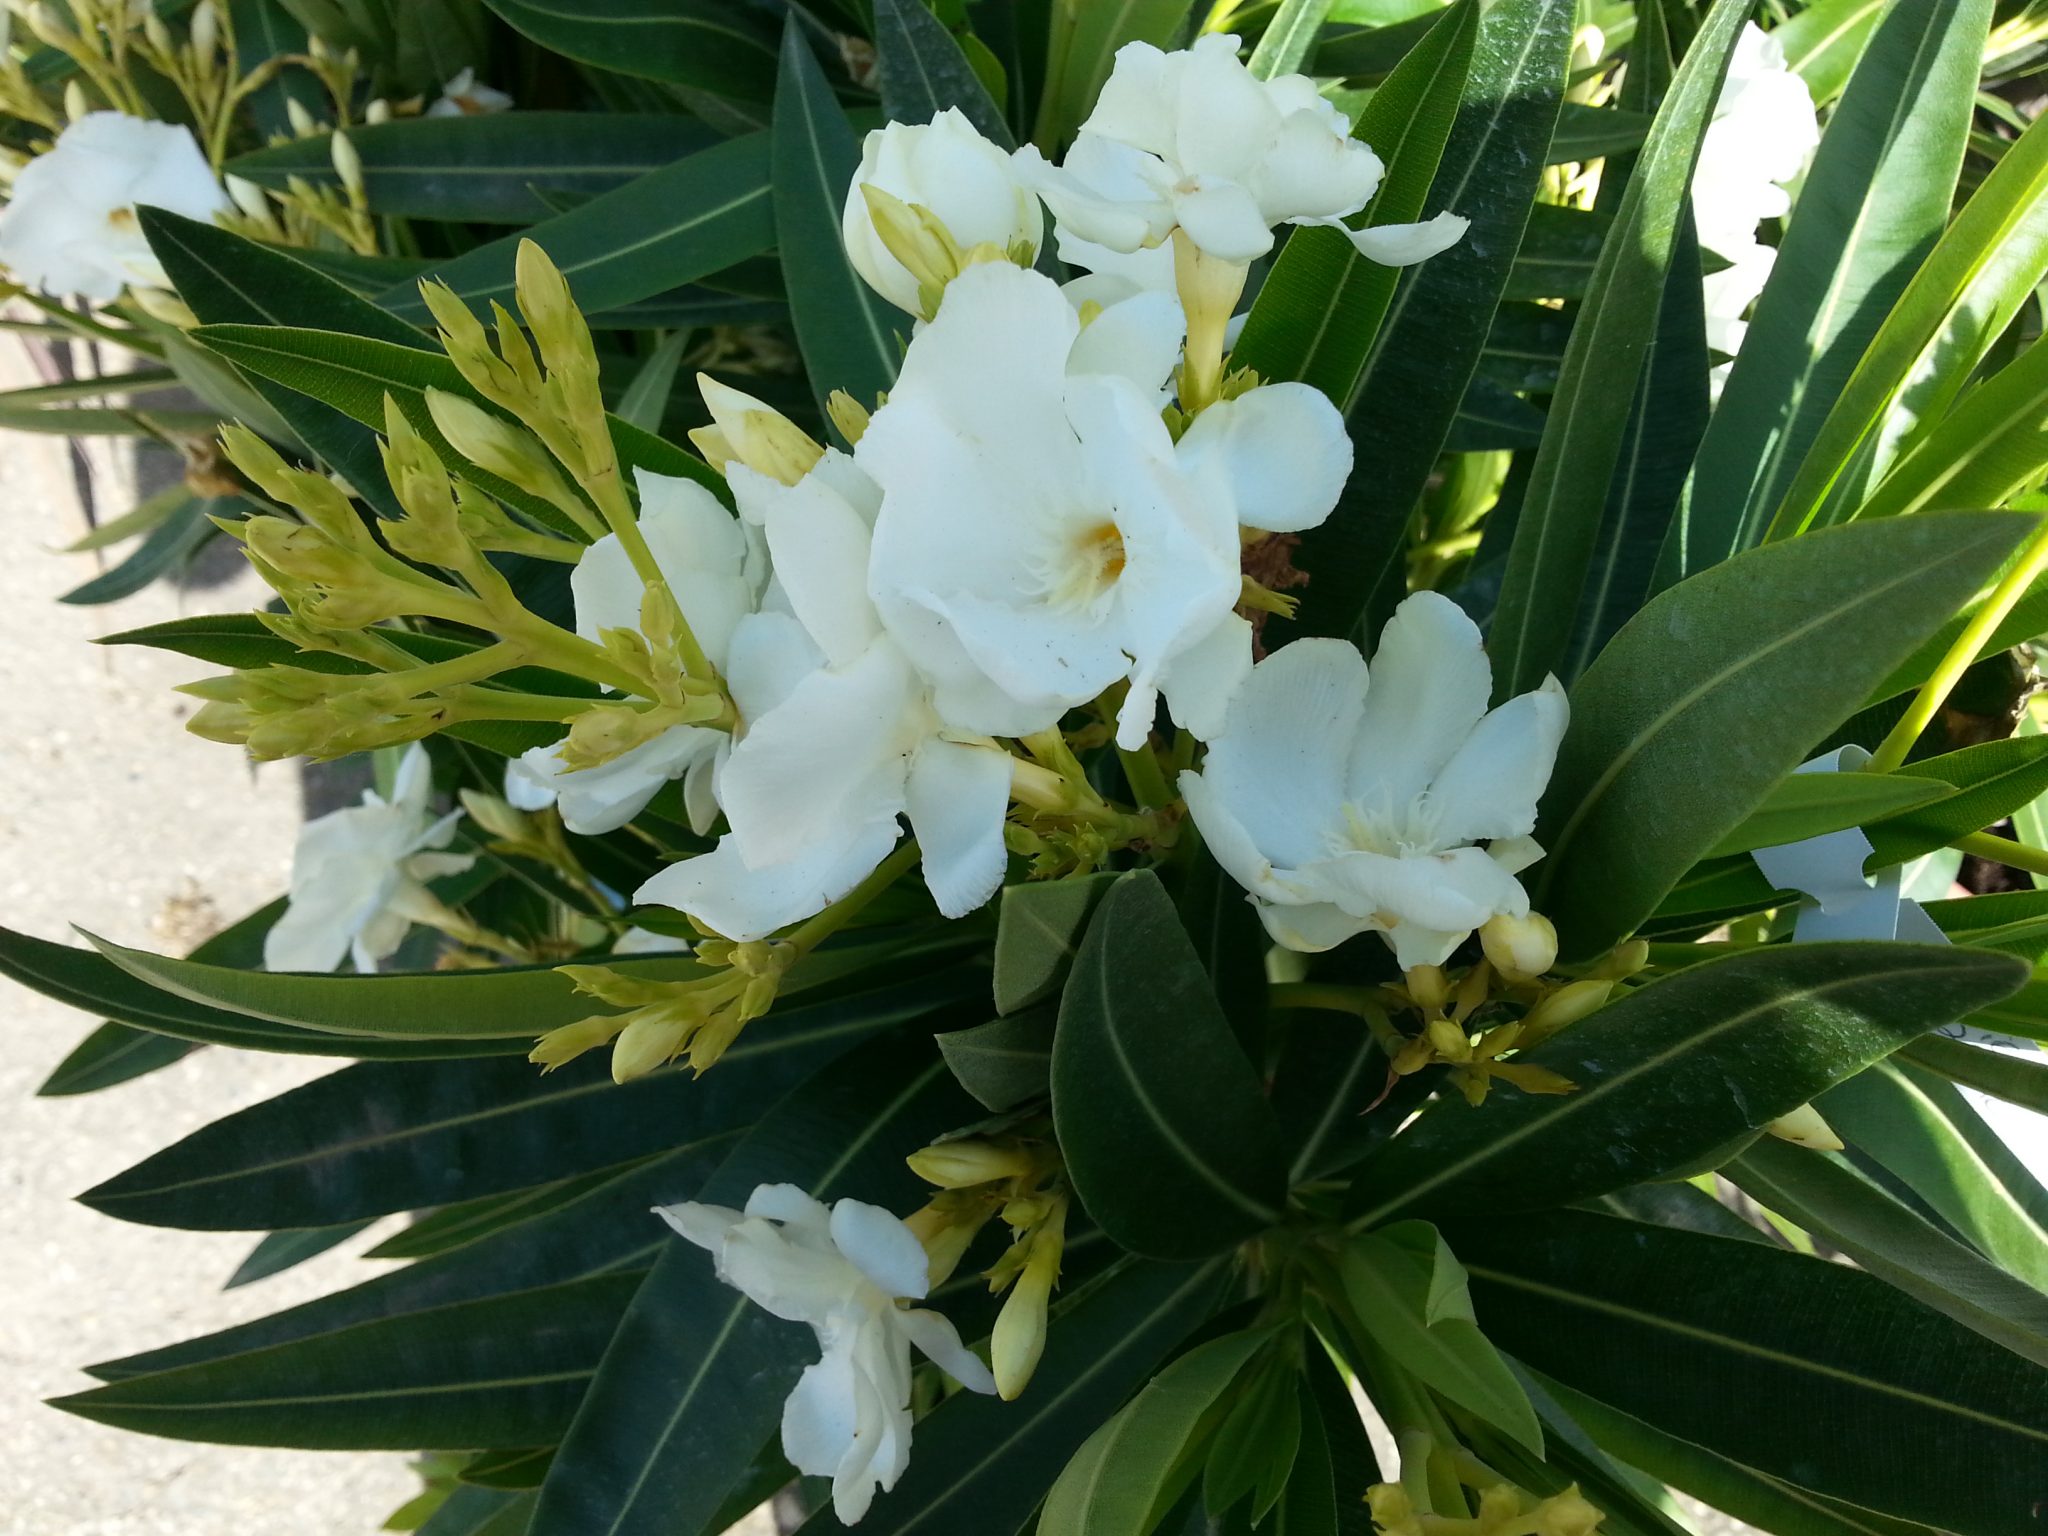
(70, 226)
(1042, 536)
(359, 873)
(466, 96)
(716, 571)
(1194, 141)
(949, 169)
(841, 1269)
(839, 736)
(1347, 809)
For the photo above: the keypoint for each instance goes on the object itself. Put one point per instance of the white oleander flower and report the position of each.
(464, 96)
(840, 1269)
(838, 735)
(1401, 808)
(70, 227)
(1194, 141)
(359, 876)
(967, 183)
(1763, 132)
(1041, 535)
(716, 571)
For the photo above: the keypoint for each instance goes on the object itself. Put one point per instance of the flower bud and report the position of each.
(303, 553)
(1804, 1127)
(969, 1161)
(964, 187)
(76, 103)
(1521, 948)
(763, 439)
(497, 447)
(1567, 1005)
(560, 1046)
(498, 817)
(848, 415)
(348, 164)
(304, 124)
(1428, 986)
(646, 1043)
(378, 111)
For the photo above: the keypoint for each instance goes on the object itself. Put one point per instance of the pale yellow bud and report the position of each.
(1428, 986)
(205, 30)
(1521, 948)
(157, 34)
(1566, 1514)
(763, 439)
(1018, 1340)
(559, 1046)
(48, 26)
(648, 1042)
(1624, 960)
(304, 124)
(848, 415)
(920, 242)
(378, 111)
(348, 164)
(498, 817)
(161, 304)
(1567, 1005)
(76, 103)
(251, 199)
(1804, 1127)
(967, 1162)
(497, 447)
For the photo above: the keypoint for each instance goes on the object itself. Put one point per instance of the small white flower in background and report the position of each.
(838, 735)
(464, 96)
(840, 1269)
(716, 571)
(70, 227)
(1763, 132)
(1345, 808)
(358, 876)
(949, 169)
(1041, 535)
(1194, 141)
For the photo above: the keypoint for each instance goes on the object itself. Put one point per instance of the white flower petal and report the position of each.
(958, 797)
(1200, 682)
(1281, 448)
(792, 1281)
(1403, 245)
(1224, 219)
(793, 1205)
(719, 890)
(771, 654)
(1453, 891)
(1280, 763)
(1309, 928)
(705, 1225)
(882, 1247)
(820, 548)
(1491, 785)
(1138, 339)
(821, 1414)
(604, 798)
(1430, 686)
(939, 1342)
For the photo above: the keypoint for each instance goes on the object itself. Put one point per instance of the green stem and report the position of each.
(1963, 654)
(1148, 783)
(810, 934)
(480, 703)
(2003, 850)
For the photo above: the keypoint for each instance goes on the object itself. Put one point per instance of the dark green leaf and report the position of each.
(694, 217)
(394, 1136)
(1829, 1200)
(1168, 1141)
(279, 1251)
(924, 72)
(707, 45)
(1870, 210)
(1428, 346)
(1557, 530)
(480, 1512)
(1038, 930)
(112, 1054)
(1797, 1367)
(1990, 781)
(1005, 1062)
(1592, 133)
(489, 169)
(1823, 42)
(1771, 651)
(849, 334)
(2017, 1080)
(165, 548)
(266, 30)
(1684, 1066)
(467, 1221)
(1808, 804)
(1559, 251)
(508, 1370)
(509, 1469)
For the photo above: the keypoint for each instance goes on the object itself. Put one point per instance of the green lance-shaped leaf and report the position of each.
(850, 335)
(229, 280)
(1771, 650)
(1871, 209)
(1289, 37)
(449, 1227)
(924, 72)
(693, 1385)
(1123, 1478)
(1830, 1200)
(265, 30)
(1559, 253)
(707, 45)
(1809, 804)
(498, 168)
(279, 1251)
(1823, 42)
(1922, 1134)
(605, 1230)
(982, 1465)
(480, 1512)
(525, 1468)
(1804, 1370)
(1993, 445)
(165, 548)
(1670, 1073)
(1955, 307)
(1004, 1062)
(81, 979)
(514, 1002)
(2016, 1080)
(1427, 346)
(699, 215)
(1169, 1143)
(1557, 530)
(387, 1137)
(1727, 1486)
(1317, 312)
(508, 1370)
(1039, 927)
(111, 1055)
